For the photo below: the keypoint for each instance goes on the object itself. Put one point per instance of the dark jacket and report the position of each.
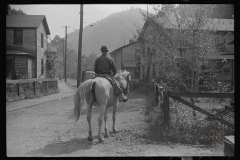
(104, 65)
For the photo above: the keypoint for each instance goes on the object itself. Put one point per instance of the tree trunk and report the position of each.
(192, 74)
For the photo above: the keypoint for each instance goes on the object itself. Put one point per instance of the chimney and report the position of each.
(131, 41)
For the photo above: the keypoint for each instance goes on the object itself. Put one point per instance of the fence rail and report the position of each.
(162, 94)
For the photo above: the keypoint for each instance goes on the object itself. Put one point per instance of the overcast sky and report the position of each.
(62, 15)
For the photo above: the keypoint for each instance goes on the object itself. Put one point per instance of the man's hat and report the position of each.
(104, 48)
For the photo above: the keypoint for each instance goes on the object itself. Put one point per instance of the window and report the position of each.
(143, 51)
(137, 54)
(42, 44)
(42, 66)
(148, 50)
(18, 37)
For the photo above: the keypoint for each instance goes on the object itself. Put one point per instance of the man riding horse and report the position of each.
(105, 67)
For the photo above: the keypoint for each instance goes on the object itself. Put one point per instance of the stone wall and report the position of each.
(30, 88)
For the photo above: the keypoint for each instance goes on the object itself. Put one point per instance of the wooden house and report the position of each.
(26, 43)
(221, 27)
(128, 57)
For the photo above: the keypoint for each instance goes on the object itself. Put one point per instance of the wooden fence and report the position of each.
(161, 94)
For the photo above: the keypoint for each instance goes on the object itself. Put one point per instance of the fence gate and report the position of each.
(160, 93)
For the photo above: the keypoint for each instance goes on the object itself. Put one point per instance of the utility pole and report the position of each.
(79, 71)
(65, 59)
(147, 10)
(63, 48)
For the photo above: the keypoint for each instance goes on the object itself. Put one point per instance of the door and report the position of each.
(29, 68)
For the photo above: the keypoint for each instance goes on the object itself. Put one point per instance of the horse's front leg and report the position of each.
(100, 119)
(106, 135)
(89, 108)
(114, 118)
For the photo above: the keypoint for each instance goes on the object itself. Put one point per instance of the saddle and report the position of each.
(112, 81)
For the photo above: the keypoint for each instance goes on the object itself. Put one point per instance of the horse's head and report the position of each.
(124, 77)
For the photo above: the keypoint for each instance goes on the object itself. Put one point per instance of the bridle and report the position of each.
(126, 89)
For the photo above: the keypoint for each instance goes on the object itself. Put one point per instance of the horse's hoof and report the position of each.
(106, 135)
(101, 140)
(90, 139)
(114, 130)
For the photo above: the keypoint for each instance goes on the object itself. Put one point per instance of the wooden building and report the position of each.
(221, 28)
(128, 57)
(26, 43)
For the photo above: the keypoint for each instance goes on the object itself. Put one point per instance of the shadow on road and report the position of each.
(67, 147)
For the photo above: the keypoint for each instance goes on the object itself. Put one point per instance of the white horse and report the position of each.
(99, 92)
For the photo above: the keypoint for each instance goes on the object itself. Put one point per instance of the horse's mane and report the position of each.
(121, 73)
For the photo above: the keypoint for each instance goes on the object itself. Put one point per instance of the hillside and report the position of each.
(110, 31)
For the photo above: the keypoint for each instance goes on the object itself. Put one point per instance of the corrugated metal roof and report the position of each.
(129, 63)
(27, 21)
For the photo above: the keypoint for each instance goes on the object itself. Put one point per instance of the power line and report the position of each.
(95, 38)
(55, 13)
(71, 9)
(75, 34)
(76, 11)
(75, 21)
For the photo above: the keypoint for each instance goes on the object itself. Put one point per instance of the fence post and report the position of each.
(166, 107)
(46, 86)
(34, 88)
(18, 88)
(157, 93)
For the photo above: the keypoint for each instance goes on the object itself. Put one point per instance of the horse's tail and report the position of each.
(83, 93)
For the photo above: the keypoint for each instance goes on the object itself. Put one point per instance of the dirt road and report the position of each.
(46, 130)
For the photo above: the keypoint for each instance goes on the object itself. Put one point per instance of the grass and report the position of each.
(184, 127)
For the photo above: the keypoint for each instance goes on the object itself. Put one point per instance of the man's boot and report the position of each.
(124, 98)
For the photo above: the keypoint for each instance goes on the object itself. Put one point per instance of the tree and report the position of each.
(71, 63)
(178, 42)
(50, 64)
(59, 44)
(16, 12)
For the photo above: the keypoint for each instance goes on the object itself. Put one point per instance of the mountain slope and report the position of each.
(111, 31)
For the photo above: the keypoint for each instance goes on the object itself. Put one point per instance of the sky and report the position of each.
(68, 14)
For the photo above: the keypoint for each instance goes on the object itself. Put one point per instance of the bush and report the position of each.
(184, 127)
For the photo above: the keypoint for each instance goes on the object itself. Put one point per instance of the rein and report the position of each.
(125, 90)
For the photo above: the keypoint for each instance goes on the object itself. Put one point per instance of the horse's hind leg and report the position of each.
(114, 118)
(100, 119)
(106, 135)
(89, 108)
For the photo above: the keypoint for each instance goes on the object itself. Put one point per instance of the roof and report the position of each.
(16, 52)
(27, 21)
(129, 63)
(123, 47)
(210, 24)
